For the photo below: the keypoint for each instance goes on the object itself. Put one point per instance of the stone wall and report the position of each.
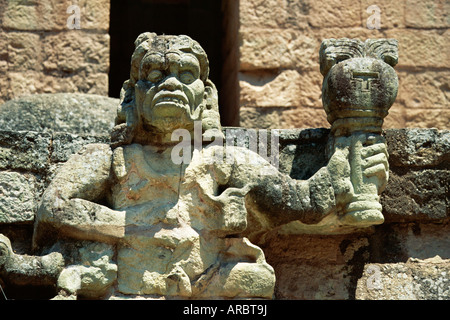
(279, 78)
(407, 257)
(275, 43)
(40, 54)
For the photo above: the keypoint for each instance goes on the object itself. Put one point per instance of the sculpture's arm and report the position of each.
(282, 199)
(68, 207)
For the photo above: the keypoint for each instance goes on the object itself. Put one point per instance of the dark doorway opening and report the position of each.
(202, 20)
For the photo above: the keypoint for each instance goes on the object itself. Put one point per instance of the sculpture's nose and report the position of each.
(170, 83)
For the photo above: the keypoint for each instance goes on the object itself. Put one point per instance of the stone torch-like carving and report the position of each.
(130, 221)
(359, 87)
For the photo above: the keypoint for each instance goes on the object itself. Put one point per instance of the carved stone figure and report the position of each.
(130, 221)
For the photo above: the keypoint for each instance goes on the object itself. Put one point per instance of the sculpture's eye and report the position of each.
(187, 77)
(154, 76)
(341, 58)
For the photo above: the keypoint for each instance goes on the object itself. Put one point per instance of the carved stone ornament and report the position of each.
(124, 220)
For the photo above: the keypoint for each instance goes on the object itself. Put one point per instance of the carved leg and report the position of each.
(25, 270)
(242, 273)
(92, 277)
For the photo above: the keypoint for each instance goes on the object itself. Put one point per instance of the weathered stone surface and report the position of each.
(418, 147)
(418, 187)
(391, 14)
(333, 13)
(73, 51)
(41, 15)
(24, 150)
(417, 195)
(19, 270)
(94, 14)
(18, 200)
(270, 90)
(427, 14)
(287, 118)
(273, 13)
(396, 242)
(52, 15)
(271, 49)
(396, 116)
(24, 51)
(288, 88)
(65, 144)
(428, 118)
(92, 271)
(414, 280)
(61, 112)
(425, 90)
(300, 152)
(422, 48)
(313, 267)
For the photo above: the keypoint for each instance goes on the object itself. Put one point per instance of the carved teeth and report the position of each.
(171, 99)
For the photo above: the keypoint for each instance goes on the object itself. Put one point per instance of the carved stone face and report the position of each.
(169, 91)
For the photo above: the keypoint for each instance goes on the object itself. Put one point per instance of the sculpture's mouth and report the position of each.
(169, 98)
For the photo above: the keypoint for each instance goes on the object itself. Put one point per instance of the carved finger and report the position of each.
(379, 158)
(378, 170)
(374, 149)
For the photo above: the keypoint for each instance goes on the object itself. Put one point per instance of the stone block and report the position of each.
(24, 51)
(396, 117)
(3, 45)
(424, 90)
(416, 148)
(270, 90)
(427, 14)
(414, 280)
(313, 267)
(66, 144)
(391, 13)
(289, 88)
(273, 14)
(333, 13)
(21, 150)
(416, 195)
(23, 83)
(52, 15)
(73, 51)
(18, 197)
(428, 118)
(94, 14)
(35, 15)
(304, 118)
(261, 118)
(282, 118)
(75, 113)
(277, 48)
(421, 48)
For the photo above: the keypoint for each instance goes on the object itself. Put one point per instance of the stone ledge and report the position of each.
(417, 189)
(414, 280)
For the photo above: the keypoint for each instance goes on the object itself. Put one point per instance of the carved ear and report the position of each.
(144, 37)
(126, 119)
(333, 51)
(383, 49)
(210, 113)
(142, 45)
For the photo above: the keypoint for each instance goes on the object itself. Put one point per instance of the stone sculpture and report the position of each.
(129, 221)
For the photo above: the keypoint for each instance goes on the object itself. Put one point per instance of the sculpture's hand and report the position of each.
(375, 164)
(340, 171)
(359, 172)
(369, 174)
